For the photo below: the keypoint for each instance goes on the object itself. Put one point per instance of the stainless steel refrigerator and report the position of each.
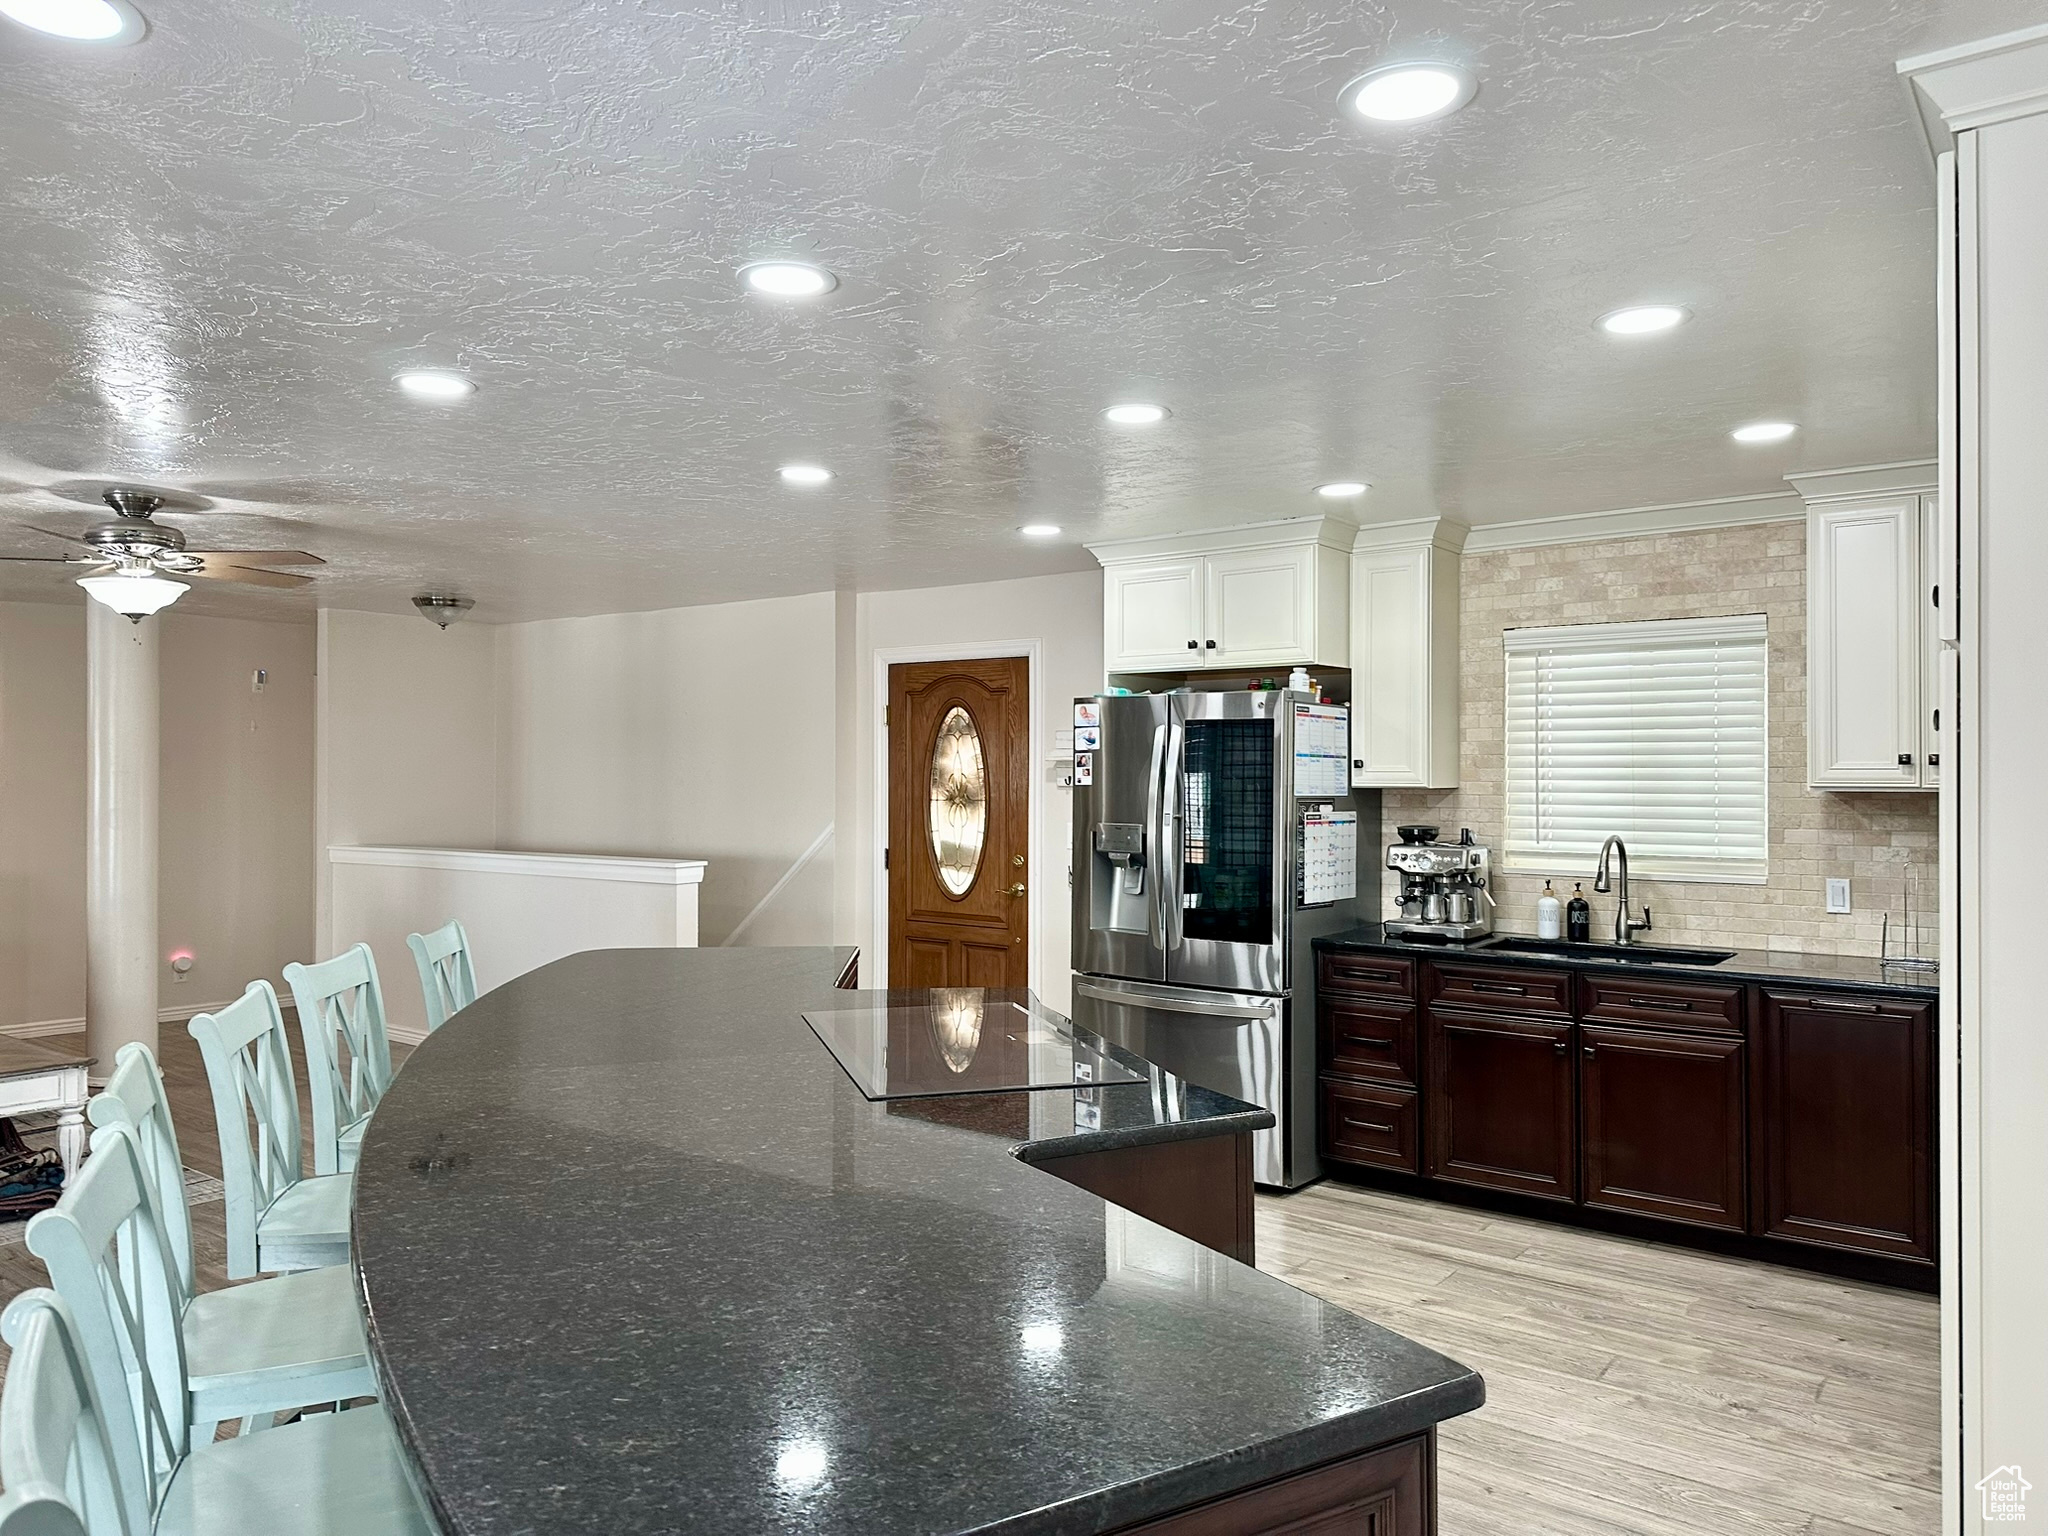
(1215, 835)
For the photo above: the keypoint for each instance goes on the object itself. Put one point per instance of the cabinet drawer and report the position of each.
(1385, 1492)
(1368, 1039)
(1356, 971)
(1670, 1004)
(1503, 988)
(1370, 1123)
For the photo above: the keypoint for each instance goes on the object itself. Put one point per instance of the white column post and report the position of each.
(121, 833)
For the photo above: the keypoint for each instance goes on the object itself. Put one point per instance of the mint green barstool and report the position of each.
(250, 1349)
(93, 1437)
(277, 1218)
(447, 978)
(341, 1010)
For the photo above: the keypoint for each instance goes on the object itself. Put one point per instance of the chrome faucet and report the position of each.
(1624, 925)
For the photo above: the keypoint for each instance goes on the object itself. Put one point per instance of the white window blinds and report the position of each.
(1657, 731)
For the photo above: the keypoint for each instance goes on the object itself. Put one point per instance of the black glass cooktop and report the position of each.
(916, 1044)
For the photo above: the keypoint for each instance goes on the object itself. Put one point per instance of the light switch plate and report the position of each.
(1838, 895)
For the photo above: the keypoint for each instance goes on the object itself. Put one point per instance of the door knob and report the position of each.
(1017, 889)
(1017, 859)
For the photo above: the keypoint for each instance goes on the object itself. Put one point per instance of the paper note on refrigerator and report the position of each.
(1322, 750)
(1329, 857)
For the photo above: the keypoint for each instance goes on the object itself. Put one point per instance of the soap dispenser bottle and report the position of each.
(1549, 914)
(1578, 915)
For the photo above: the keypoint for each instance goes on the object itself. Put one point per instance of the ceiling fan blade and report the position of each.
(46, 560)
(68, 538)
(256, 556)
(253, 578)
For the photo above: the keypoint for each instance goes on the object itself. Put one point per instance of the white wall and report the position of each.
(1064, 615)
(407, 749)
(701, 733)
(235, 870)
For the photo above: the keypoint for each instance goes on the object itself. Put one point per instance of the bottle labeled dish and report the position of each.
(1578, 915)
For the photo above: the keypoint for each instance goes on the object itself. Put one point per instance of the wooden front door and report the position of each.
(959, 823)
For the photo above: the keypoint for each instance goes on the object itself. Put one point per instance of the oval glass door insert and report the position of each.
(959, 801)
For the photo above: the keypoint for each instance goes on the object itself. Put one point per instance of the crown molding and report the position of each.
(1822, 486)
(1639, 522)
(1975, 85)
(1439, 532)
(1333, 533)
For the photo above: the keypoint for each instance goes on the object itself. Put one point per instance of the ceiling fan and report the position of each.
(138, 558)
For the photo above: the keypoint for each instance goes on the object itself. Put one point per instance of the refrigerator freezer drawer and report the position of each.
(1232, 1042)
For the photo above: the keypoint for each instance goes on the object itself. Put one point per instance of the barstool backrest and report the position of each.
(134, 1098)
(255, 1109)
(103, 1249)
(447, 978)
(67, 1448)
(341, 1007)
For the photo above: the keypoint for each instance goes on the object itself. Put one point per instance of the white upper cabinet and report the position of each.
(1404, 655)
(1267, 595)
(1870, 633)
(1153, 614)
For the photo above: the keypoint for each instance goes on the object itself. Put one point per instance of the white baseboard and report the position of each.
(32, 1028)
(405, 1036)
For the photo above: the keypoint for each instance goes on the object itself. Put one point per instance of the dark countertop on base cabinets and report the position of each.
(1768, 967)
(637, 1256)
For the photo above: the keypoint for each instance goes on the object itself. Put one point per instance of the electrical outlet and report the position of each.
(1838, 896)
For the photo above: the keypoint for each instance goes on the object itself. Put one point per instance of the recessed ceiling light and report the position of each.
(1410, 93)
(1338, 490)
(1040, 530)
(1135, 415)
(1643, 319)
(435, 384)
(79, 21)
(788, 279)
(805, 474)
(1764, 432)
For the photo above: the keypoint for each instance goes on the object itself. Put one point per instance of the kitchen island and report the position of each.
(636, 1255)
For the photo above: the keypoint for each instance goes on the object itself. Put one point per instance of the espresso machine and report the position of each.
(1443, 886)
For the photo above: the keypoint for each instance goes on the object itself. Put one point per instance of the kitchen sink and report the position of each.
(1641, 954)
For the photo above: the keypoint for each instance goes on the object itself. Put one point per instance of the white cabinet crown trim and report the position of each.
(1330, 532)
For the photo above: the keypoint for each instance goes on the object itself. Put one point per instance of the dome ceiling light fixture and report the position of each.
(804, 474)
(1415, 91)
(1135, 414)
(1764, 432)
(1643, 319)
(788, 279)
(134, 590)
(79, 21)
(435, 384)
(1342, 490)
(442, 608)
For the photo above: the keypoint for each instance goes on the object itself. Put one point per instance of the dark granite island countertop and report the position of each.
(1766, 967)
(637, 1256)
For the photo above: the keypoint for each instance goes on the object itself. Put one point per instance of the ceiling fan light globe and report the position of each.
(135, 594)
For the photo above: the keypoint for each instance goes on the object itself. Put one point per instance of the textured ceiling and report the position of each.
(222, 242)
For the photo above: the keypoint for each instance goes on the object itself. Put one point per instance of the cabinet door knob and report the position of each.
(1212, 645)
(1193, 646)
(1589, 1050)
(1358, 762)
(1560, 1047)
(1905, 759)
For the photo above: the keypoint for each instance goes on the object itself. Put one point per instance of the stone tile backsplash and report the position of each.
(1883, 842)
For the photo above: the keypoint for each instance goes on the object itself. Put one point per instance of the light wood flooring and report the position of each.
(1635, 1389)
(1632, 1389)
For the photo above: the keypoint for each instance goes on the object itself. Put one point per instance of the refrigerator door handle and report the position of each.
(1169, 1000)
(1172, 863)
(1155, 919)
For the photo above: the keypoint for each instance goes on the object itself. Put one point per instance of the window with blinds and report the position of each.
(1656, 731)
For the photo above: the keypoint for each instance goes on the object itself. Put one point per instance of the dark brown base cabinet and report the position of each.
(1796, 1124)
(1499, 1106)
(1844, 1099)
(1386, 1492)
(1663, 1124)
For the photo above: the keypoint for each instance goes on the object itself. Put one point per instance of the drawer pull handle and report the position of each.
(1672, 1004)
(1560, 1047)
(1369, 1125)
(1378, 1042)
(1589, 1050)
(1513, 989)
(1835, 1005)
(1351, 974)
